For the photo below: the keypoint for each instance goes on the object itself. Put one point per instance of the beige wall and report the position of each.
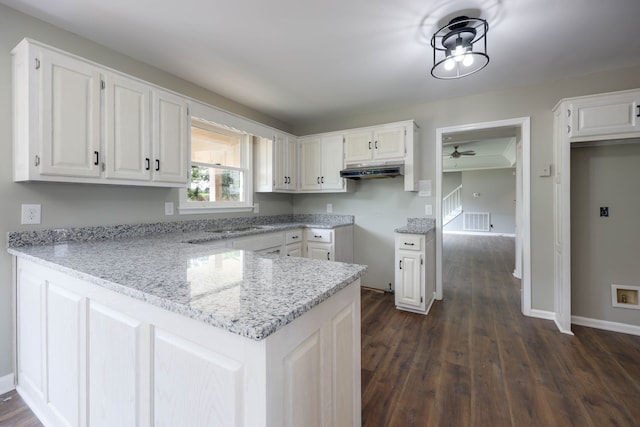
(78, 204)
(604, 251)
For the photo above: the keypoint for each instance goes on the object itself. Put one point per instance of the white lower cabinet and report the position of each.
(293, 242)
(330, 244)
(90, 356)
(415, 272)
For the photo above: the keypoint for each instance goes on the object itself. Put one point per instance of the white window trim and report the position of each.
(187, 208)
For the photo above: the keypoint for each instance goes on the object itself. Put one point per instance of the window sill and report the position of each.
(206, 210)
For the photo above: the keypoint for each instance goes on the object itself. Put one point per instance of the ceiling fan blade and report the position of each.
(467, 153)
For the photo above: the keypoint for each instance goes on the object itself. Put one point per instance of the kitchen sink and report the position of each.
(235, 230)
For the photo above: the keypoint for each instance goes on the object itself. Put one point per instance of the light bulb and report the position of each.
(449, 64)
(458, 53)
(468, 60)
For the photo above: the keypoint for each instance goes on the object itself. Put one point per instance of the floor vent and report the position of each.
(476, 221)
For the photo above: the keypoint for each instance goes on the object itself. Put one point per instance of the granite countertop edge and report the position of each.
(249, 327)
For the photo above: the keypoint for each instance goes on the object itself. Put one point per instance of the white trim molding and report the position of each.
(523, 124)
(7, 383)
(542, 314)
(606, 325)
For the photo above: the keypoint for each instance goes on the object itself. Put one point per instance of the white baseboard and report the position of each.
(6, 383)
(479, 233)
(542, 314)
(606, 325)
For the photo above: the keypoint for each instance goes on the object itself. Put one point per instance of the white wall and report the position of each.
(77, 204)
(497, 195)
(604, 251)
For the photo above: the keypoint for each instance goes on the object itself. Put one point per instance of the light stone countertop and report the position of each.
(417, 226)
(246, 293)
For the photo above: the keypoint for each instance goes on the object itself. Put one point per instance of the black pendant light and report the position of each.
(460, 48)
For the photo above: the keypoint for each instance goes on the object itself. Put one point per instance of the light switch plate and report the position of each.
(329, 207)
(428, 209)
(256, 208)
(168, 208)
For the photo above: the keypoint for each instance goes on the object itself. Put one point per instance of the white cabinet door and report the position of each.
(409, 279)
(66, 355)
(286, 163)
(70, 95)
(119, 347)
(605, 115)
(31, 331)
(194, 386)
(294, 249)
(358, 147)
(322, 251)
(127, 128)
(332, 163)
(263, 162)
(310, 164)
(170, 138)
(388, 143)
(378, 144)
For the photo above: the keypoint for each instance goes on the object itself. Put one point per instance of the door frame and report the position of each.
(524, 126)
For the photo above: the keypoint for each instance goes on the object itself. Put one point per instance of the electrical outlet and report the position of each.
(329, 207)
(31, 214)
(168, 208)
(256, 208)
(428, 209)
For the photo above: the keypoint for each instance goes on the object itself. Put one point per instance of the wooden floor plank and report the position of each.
(478, 361)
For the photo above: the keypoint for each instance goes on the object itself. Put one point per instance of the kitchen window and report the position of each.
(220, 170)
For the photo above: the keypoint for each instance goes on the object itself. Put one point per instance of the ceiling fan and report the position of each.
(457, 154)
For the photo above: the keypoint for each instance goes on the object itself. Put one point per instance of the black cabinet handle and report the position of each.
(97, 161)
(322, 180)
(638, 108)
(318, 180)
(369, 145)
(148, 163)
(409, 244)
(157, 165)
(316, 236)
(376, 145)
(400, 264)
(328, 256)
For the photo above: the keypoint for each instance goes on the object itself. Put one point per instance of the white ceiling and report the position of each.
(301, 60)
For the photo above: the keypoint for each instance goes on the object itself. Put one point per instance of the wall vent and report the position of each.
(476, 221)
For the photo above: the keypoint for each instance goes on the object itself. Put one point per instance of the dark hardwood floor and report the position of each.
(475, 360)
(15, 413)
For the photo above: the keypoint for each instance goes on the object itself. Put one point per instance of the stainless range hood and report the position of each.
(372, 171)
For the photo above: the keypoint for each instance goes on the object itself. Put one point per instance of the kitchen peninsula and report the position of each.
(152, 329)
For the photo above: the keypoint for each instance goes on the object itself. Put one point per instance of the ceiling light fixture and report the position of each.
(460, 48)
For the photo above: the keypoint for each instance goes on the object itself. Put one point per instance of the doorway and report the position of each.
(520, 127)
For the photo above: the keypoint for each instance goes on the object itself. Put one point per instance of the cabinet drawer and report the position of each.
(293, 236)
(319, 235)
(411, 242)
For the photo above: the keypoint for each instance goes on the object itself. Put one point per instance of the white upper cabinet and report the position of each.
(127, 139)
(383, 143)
(170, 137)
(320, 164)
(76, 121)
(276, 164)
(609, 114)
(286, 163)
(70, 121)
